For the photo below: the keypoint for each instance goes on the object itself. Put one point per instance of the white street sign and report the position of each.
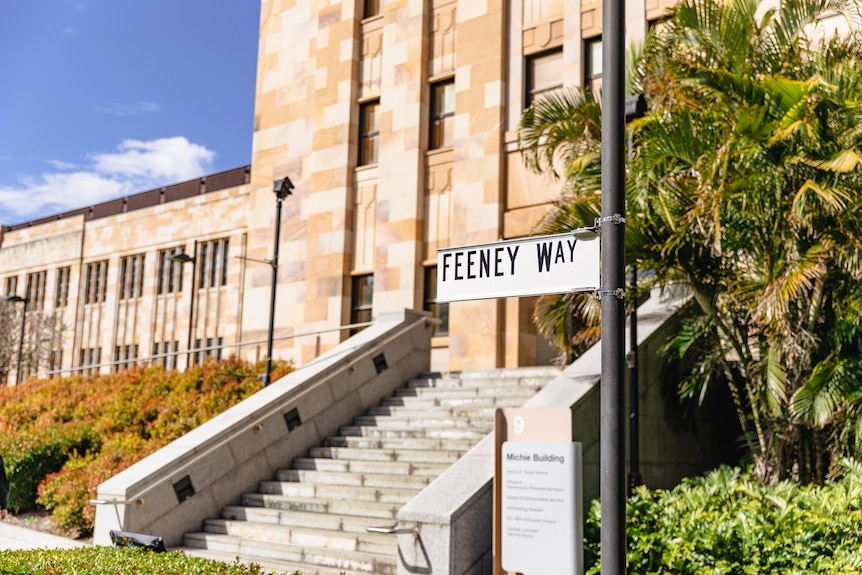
(536, 265)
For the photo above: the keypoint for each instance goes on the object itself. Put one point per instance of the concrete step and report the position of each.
(292, 488)
(320, 558)
(402, 422)
(429, 455)
(305, 536)
(376, 480)
(366, 509)
(399, 443)
(413, 402)
(475, 433)
(464, 392)
(342, 523)
(493, 378)
(433, 411)
(363, 467)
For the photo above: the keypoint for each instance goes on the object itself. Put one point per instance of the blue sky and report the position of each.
(104, 98)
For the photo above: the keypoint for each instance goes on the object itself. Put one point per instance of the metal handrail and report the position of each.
(392, 530)
(175, 354)
(138, 498)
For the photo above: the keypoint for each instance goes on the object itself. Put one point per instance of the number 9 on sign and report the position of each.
(518, 424)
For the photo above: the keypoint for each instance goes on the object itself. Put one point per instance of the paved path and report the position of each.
(14, 537)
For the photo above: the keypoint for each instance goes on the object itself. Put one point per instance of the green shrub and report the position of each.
(32, 455)
(62, 437)
(102, 560)
(728, 523)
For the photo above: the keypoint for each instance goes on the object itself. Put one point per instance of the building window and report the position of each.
(96, 284)
(90, 358)
(55, 362)
(361, 300)
(593, 63)
(170, 272)
(166, 354)
(11, 285)
(370, 8)
(36, 289)
(439, 311)
(132, 276)
(544, 74)
(369, 132)
(442, 114)
(212, 349)
(212, 263)
(61, 294)
(124, 355)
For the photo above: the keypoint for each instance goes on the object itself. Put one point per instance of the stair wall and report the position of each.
(170, 492)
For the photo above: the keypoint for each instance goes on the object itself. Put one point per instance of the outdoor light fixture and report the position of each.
(181, 258)
(282, 188)
(18, 299)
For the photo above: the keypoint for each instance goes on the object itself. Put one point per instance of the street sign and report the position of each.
(535, 265)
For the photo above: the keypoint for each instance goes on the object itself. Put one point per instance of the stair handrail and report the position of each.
(392, 529)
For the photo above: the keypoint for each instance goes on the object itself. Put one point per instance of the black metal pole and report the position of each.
(267, 374)
(634, 412)
(19, 372)
(194, 287)
(613, 529)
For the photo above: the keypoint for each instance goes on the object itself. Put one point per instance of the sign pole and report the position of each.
(612, 293)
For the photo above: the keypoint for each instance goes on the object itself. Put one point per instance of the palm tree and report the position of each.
(745, 186)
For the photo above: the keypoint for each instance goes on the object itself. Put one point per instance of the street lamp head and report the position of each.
(282, 187)
(181, 258)
(635, 107)
(15, 298)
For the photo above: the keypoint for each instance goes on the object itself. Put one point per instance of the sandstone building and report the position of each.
(396, 121)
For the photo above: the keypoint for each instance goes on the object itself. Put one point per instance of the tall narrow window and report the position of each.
(61, 295)
(439, 311)
(212, 263)
(442, 114)
(370, 8)
(11, 285)
(544, 74)
(166, 354)
(170, 278)
(96, 284)
(90, 358)
(593, 63)
(36, 289)
(132, 276)
(362, 299)
(369, 132)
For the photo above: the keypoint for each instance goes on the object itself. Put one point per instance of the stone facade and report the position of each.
(444, 83)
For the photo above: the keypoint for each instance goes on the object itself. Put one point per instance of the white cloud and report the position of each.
(175, 159)
(61, 165)
(136, 166)
(129, 109)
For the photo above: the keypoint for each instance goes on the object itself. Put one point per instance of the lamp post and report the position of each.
(182, 258)
(635, 107)
(282, 188)
(18, 299)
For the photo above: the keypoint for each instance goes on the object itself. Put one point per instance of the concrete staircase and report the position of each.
(313, 516)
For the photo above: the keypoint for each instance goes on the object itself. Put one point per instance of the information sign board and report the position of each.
(540, 524)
